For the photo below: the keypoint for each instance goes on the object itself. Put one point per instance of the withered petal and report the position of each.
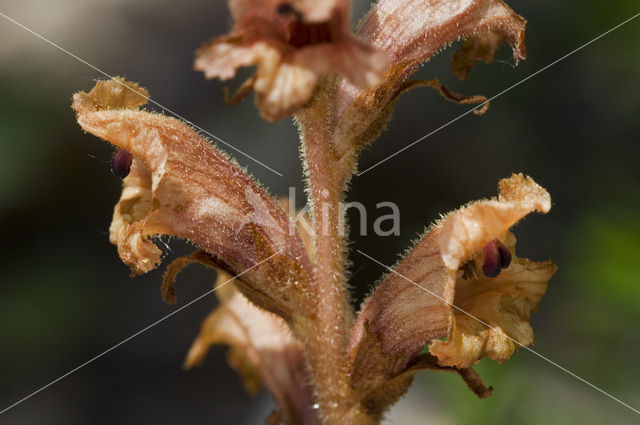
(177, 265)
(445, 92)
(482, 47)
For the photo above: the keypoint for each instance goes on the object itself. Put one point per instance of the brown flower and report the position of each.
(411, 308)
(293, 44)
(179, 184)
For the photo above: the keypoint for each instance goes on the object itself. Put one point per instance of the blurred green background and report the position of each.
(66, 296)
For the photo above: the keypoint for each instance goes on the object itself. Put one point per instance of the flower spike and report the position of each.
(459, 294)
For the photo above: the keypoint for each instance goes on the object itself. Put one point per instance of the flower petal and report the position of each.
(403, 316)
(415, 30)
(470, 228)
(179, 184)
(311, 11)
(135, 203)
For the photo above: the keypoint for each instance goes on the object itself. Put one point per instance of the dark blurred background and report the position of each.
(67, 297)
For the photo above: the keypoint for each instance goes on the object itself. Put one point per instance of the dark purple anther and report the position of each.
(121, 163)
(496, 257)
(285, 9)
(505, 254)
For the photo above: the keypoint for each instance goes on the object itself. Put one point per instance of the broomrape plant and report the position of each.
(460, 294)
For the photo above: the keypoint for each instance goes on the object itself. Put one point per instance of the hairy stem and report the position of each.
(327, 357)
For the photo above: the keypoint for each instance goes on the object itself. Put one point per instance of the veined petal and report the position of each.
(179, 184)
(409, 308)
(414, 30)
(412, 305)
